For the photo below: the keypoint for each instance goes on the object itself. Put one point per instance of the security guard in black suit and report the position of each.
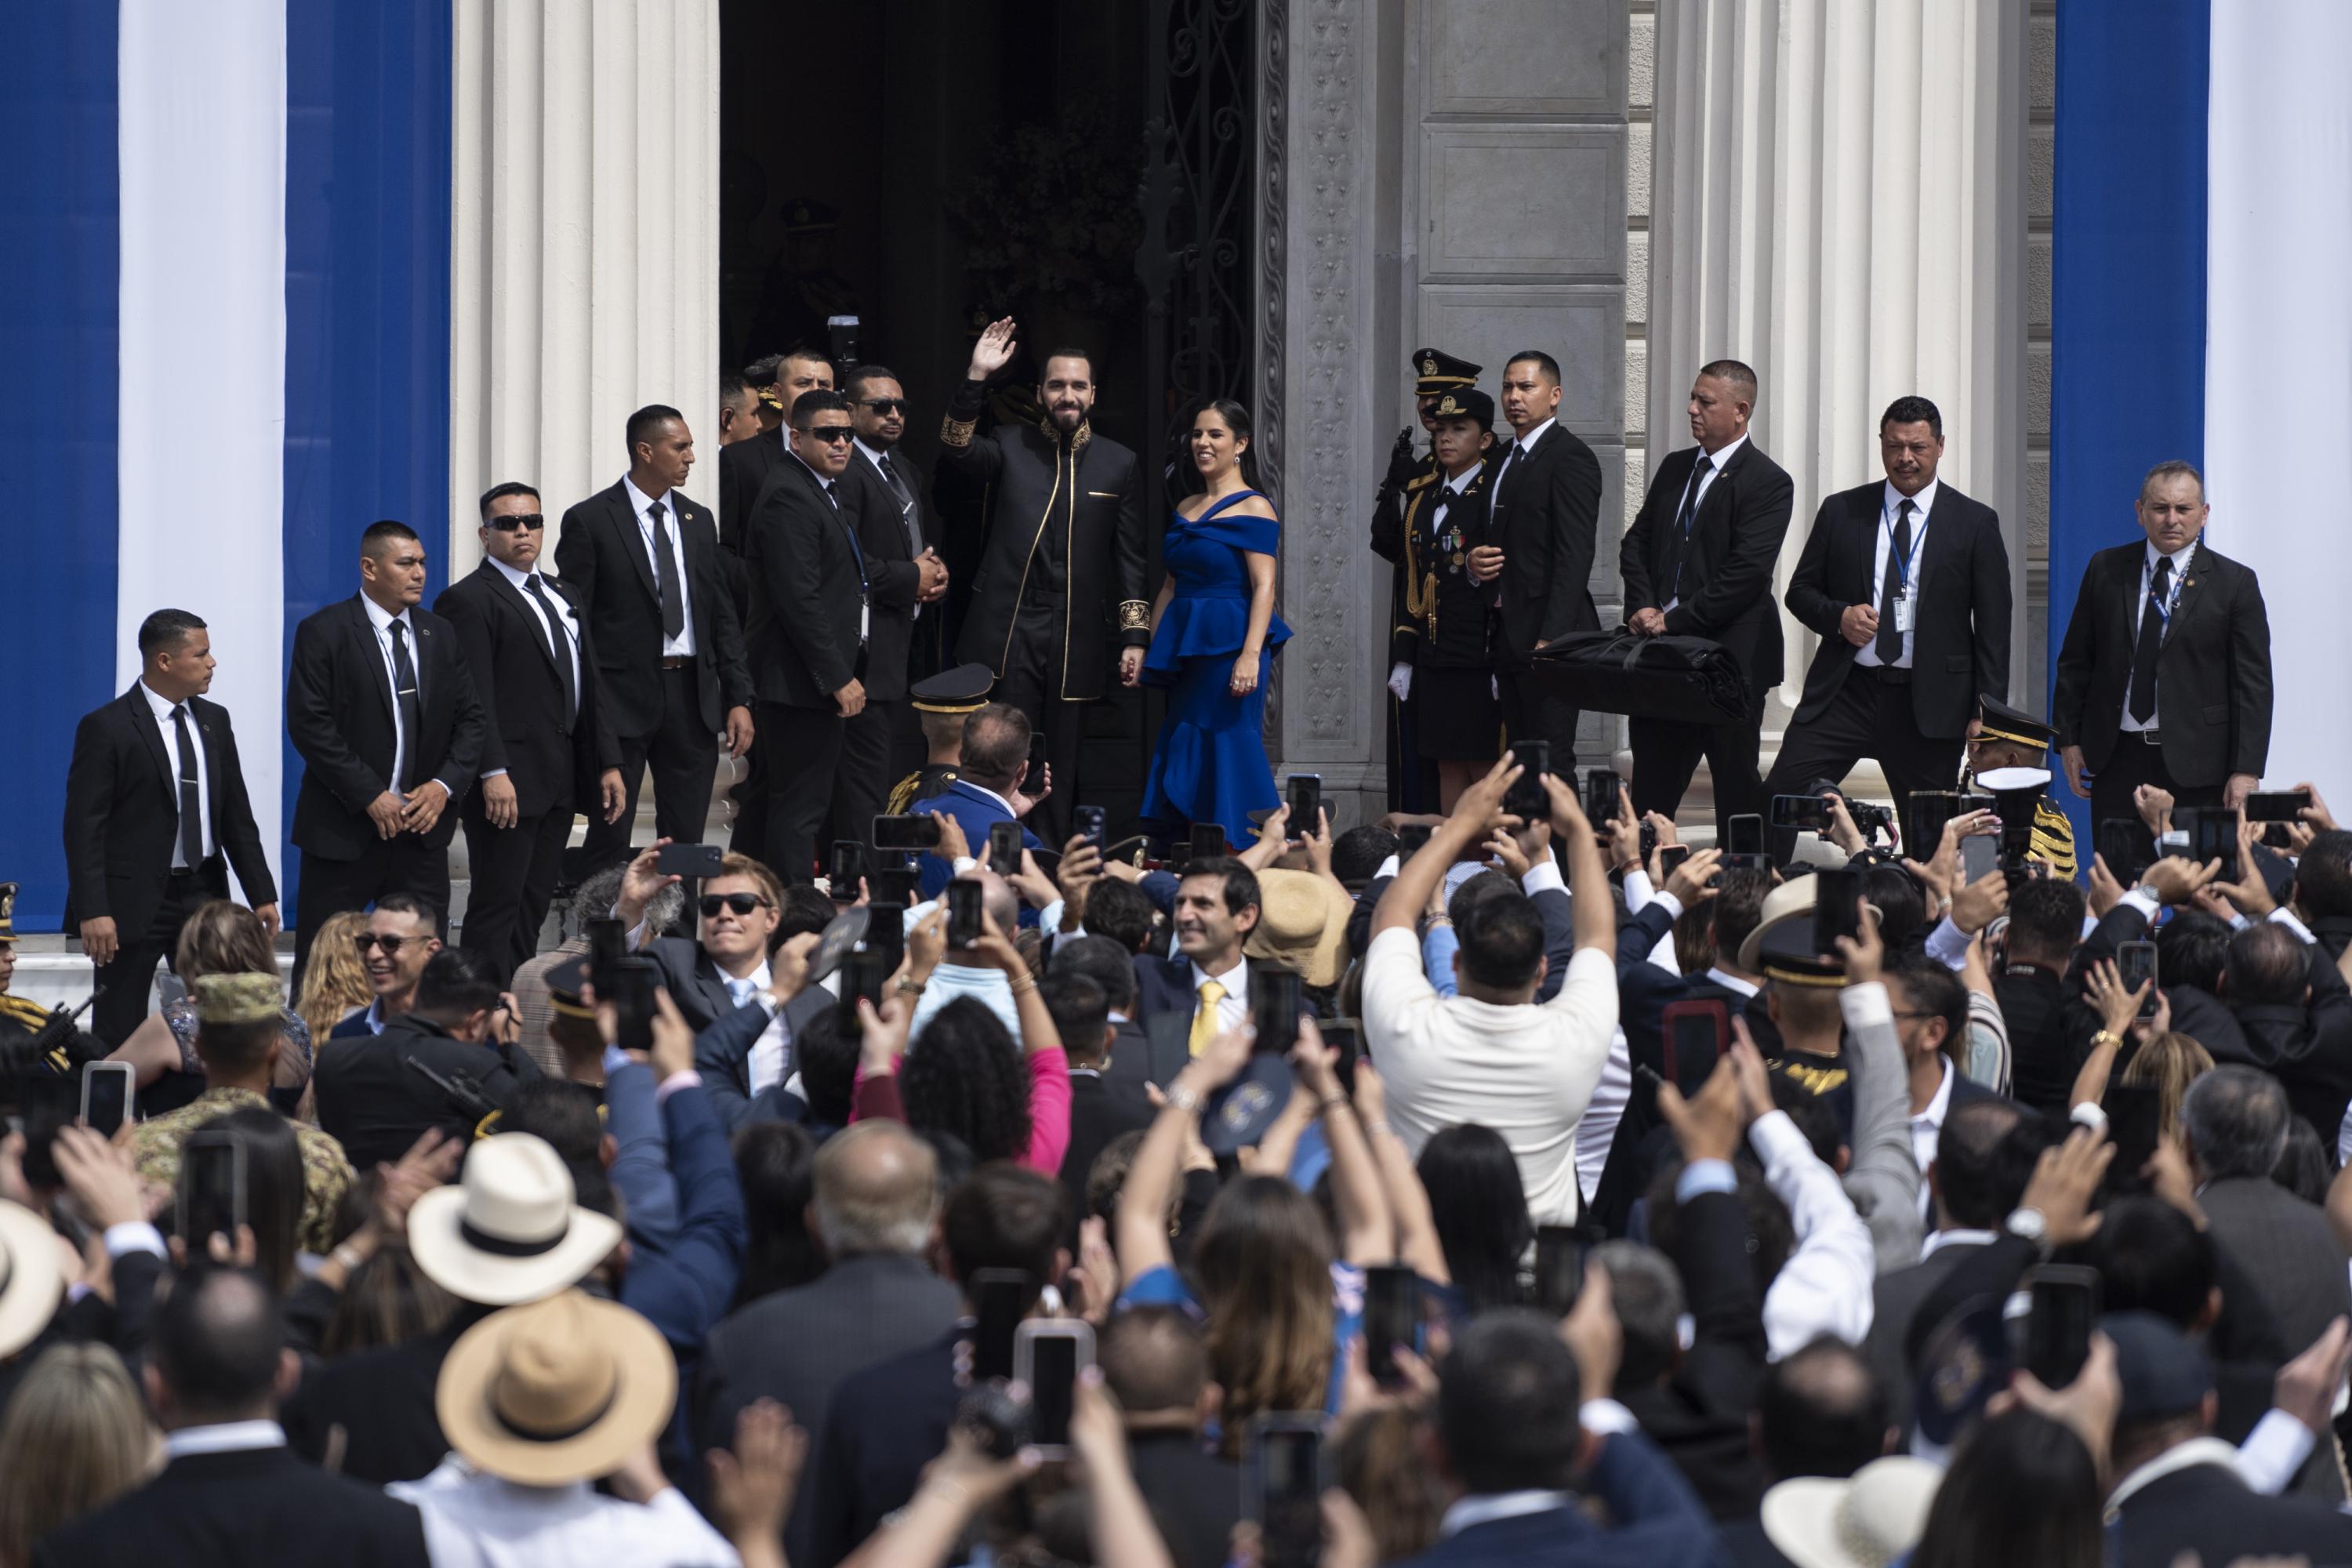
(1062, 574)
(942, 702)
(1413, 783)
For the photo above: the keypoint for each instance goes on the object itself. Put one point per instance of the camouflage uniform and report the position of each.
(155, 1145)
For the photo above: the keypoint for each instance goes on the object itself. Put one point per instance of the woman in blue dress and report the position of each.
(1213, 633)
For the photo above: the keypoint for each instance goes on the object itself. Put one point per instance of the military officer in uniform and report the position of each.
(2006, 737)
(13, 1010)
(1448, 632)
(942, 702)
(1060, 582)
(1412, 785)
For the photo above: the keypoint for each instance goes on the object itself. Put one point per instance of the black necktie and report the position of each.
(403, 688)
(905, 505)
(673, 595)
(1898, 559)
(2151, 643)
(559, 643)
(192, 811)
(1684, 520)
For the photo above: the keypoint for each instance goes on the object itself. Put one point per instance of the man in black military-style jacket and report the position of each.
(381, 706)
(1063, 573)
(548, 747)
(1698, 563)
(138, 860)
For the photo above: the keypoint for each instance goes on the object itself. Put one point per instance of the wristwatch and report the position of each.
(1187, 1100)
(2028, 1224)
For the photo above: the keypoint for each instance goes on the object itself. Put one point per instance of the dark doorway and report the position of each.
(932, 165)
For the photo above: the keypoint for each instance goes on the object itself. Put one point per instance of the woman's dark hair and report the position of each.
(1901, 902)
(274, 1191)
(775, 1162)
(828, 1065)
(965, 1076)
(387, 1301)
(1237, 420)
(2302, 1167)
(1480, 1207)
(2022, 1489)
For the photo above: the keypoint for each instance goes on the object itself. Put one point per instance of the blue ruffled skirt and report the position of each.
(1210, 762)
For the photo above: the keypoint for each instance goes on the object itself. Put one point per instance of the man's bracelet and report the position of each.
(1187, 1100)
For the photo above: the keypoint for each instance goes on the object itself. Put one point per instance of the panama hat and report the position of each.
(1302, 923)
(508, 1231)
(1865, 1522)
(556, 1391)
(31, 1280)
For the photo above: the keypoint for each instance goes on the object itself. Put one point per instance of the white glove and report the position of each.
(1400, 682)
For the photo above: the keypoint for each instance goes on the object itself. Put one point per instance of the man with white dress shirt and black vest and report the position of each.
(547, 743)
(2164, 677)
(644, 561)
(156, 815)
(1906, 583)
(381, 707)
(812, 611)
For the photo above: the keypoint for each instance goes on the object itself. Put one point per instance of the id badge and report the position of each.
(1903, 614)
(866, 617)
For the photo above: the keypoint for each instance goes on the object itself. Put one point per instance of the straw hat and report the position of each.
(509, 1231)
(31, 1281)
(1302, 923)
(1865, 1522)
(556, 1391)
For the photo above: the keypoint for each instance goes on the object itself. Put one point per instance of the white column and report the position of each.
(1837, 198)
(584, 249)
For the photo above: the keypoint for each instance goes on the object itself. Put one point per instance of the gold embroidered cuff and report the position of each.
(1134, 615)
(955, 432)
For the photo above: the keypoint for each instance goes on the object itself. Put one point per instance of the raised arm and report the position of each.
(980, 459)
(1139, 1233)
(1475, 815)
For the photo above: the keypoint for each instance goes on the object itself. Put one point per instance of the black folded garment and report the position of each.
(1687, 681)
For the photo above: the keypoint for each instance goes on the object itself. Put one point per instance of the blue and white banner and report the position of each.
(224, 352)
(2203, 222)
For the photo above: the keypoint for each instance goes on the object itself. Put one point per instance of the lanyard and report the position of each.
(1902, 566)
(2171, 600)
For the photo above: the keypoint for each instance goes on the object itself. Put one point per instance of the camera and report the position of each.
(1871, 820)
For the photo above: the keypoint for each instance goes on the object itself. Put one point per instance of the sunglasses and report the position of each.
(390, 945)
(831, 435)
(529, 520)
(886, 406)
(741, 903)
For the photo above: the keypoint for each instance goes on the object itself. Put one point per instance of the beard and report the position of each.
(1067, 416)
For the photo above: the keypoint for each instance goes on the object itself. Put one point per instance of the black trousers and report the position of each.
(684, 757)
(862, 780)
(1667, 754)
(122, 1005)
(514, 875)
(2135, 763)
(1531, 713)
(804, 752)
(1871, 716)
(404, 864)
(1032, 682)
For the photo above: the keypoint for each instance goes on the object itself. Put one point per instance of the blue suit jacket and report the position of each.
(1659, 1521)
(722, 1055)
(970, 808)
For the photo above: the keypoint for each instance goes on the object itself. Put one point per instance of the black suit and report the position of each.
(1103, 1106)
(1913, 721)
(252, 1506)
(1543, 511)
(694, 980)
(743, 470)
(1699, 1414)
(373, 1104)
(722, 1050)
(383, 1400)
(664, 715)
(552, 745)
(121, 823)
(1720, 578)
(341, 718)
(2212, 681)
(885, 1424)
(868, 740)
(811, 592)
(1896, 1296)
(2207, 1510)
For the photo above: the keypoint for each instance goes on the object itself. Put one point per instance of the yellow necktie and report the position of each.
(1205, 1022)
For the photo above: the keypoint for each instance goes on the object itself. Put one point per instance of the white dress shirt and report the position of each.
(474, 1520)
(682, 644)
(163, 709)
(1715, 462)
(1927, 1129)
(381, 620)
(1233, 1006)
(1891, 502)
(765, 1064)
(564, 631)
(225, 1437)
(2180, 559)
(1517, 453)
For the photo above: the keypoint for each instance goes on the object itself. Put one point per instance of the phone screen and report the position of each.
(106, 1096)
(608, 943)
(1932, 811)
(1671, 856)
(2135, 963)
(2134, 1120)
(1695, 1032)
(688, 860)
(862, 974)
(1033, 780)
(1410, 840)
(1305, 802)
(1979, 856)
(1601, 786)
(2277, 805)
(1746, 833)
(1273, 1009)
(2058, 1325)
(2119, 845)
(1836, 909)
(1001, 1299)
(886, 932)
(212, 1188)
(49, 1100)
(1340, 1035)
(1005, 848)
(2213, 836)
(1053, 1388)
(906, 833)
(1391, 1317)
(1208, 841)
(1801, 811)
(1560, 1268)
(1287, 1493)
(848, 866)
(964, 897)
(1526, 798)
(634, 980)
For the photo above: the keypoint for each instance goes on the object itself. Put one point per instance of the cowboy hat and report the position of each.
(1865, 1522)
(508, 1231)
(556, 1391)
(1302, 923)
(31, 1281)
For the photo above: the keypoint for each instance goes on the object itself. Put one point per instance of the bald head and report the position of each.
(876, 1191)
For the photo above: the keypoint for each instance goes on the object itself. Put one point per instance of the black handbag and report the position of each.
(1687, 680)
